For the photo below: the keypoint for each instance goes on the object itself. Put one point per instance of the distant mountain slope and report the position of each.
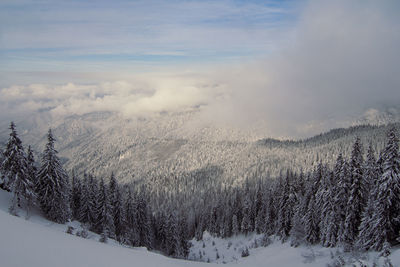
(142, 149)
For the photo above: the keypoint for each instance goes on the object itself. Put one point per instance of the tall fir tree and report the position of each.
(311, 222)
(76, 196)
(93, 201)
(53, 185)
(131, 234)
(84, 210)
(357, 196)
(341, 199)
(384, 225)
(327, 211)
(246, 223)
(142, 220)
(17, 173)
(371, 174)
(285, 208)
(116, 207)
(104, 223)
(32, 168)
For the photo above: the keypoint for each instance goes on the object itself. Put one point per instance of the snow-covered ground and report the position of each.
(38, 242)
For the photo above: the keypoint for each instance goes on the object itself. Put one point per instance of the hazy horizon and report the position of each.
(295, 67)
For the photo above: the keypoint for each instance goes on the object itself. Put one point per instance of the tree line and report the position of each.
(354, 204)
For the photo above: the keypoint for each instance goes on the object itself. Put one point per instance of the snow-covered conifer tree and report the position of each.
(116, 206)
(76, 197)
(52, 185)
(246, 223)
(104, 223)
(384, 224)
(131, 233)
(357, 196)
(93, 201)
(371, 173)
(84, 210)
(17, 173)
(311, 222)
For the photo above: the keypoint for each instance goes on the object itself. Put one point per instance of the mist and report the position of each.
(338, 64)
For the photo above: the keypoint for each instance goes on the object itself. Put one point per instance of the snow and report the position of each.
(38, 242)
(278, 253)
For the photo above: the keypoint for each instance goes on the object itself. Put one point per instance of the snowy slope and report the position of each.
(38, 242)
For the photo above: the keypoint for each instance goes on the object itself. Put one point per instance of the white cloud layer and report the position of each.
(343, 60)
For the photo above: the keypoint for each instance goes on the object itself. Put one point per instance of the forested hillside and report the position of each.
(351, 203)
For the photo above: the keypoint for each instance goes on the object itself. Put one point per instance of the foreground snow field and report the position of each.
(38, 242)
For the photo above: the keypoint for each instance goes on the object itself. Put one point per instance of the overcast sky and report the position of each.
(300, 67)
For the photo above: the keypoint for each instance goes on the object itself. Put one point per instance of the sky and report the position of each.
(298, 67)
(136, 36)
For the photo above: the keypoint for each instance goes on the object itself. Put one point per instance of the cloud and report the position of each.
(141, 97)
(340, 62)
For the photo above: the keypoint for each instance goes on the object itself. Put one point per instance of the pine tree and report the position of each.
(104, 222)
(327, 212)
(76, 196)
(297, 232)
(259, 224)
(285, 208)
(357, 196)
(371, 174)
(93, 201)
(172, 242)
(52, 186)
(341, 199)
(143, 221)
(371, 170)
(32, 168)
(270, 212)
(235, 225)
(311, 222)
(384, 225)
(183, 247)
(17, 173)
(132, 235)
(116, 206)
(84, 211)
(246, 223)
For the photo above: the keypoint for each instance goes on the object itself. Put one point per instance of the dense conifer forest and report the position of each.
(354, 204)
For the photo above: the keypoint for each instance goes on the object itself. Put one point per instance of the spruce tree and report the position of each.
(246, 223)
(32, 168)
(285, 208)
(52, 186)
(17, 173)
(172, 242)
(93, 201)
(297, 231)
(142, 220)
(311, 223)
(357, 196)
(341, 199)
(384, 224)
(104, 223)
(76, 196)
(131, 233)
(371, 174)
(235, 225)
(327, 211)
(84, 210)
(116, 207)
